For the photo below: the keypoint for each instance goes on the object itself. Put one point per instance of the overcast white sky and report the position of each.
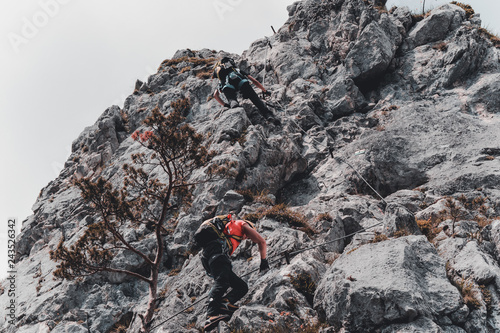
(63, 62)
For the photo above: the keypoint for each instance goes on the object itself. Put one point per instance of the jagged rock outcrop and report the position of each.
(364, 94)
(355, 292)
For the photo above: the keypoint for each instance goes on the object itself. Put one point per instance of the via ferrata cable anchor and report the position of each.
(286, 254)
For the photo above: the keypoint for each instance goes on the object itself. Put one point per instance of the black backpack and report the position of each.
(212, 229)
(228, 74)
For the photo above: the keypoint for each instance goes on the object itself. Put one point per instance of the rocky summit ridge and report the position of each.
(409, 104)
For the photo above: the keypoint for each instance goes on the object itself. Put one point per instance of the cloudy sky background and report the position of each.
(63, 62)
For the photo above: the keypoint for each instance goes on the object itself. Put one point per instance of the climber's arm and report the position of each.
(218, 99)
(255, 237)
(257, 83)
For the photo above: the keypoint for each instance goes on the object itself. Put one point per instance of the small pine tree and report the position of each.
(176, 151)
(453, 211)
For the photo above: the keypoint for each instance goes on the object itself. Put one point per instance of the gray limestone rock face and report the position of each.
(488, 85)
(423, 325)
(399, 219)
(474, 264)
(437, 25)
(232, 202)
(495, 234)
(372, 53)
(396, 280)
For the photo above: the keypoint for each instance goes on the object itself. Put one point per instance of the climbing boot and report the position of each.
(227, 307)
(213, 321)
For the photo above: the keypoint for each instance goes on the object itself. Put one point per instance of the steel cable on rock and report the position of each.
(338, 158)
(330, 150)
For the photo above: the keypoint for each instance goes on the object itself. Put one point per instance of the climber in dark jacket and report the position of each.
(232, 80)
(219, 237)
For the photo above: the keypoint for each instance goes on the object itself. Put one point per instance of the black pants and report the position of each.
(224, 277)
(248, 92)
